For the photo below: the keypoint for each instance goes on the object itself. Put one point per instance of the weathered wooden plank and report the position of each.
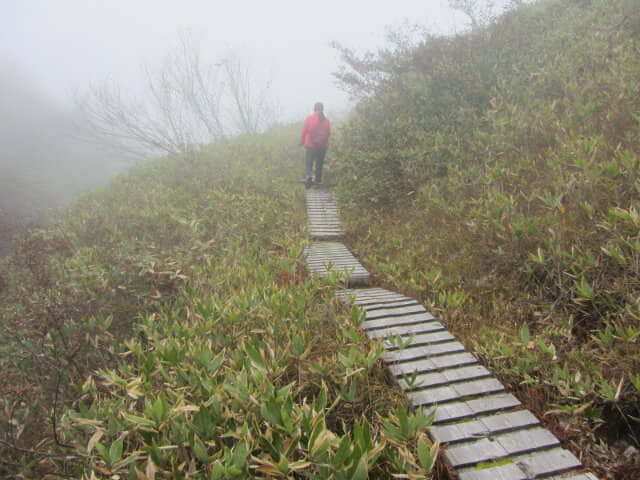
(432, 379)
(478, 387)
(431, 364)
(326, 260)
(379, 301)
(470, 453)
(332, 262)
(415, 353)
(445, 377)
(465, 373)
(328, 255)
(376, 299)
(370, 293)
(454, 391)
(450, 412)
(500, 446)
(408, 319)
(547, 462)
(394, 312)
(422, 339)
(512, 471)
(323, 223)
(574, 476)
(484, 427)
(509, 471)
(327, 236)
(409, 302)
(405, 330)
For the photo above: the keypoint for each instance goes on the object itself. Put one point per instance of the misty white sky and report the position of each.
(67, 44)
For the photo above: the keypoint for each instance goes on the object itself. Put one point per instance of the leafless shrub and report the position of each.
(187, 102)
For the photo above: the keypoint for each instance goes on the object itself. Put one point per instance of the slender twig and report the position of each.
(38, 453)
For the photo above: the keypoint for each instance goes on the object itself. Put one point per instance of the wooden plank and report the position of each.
(408, 319)
(487, 404)
(431, 364)
(547, 462)
(408, 302)
(454, 391)
(577, 476)
(333, 263)
(328, 255)
(379, 301)
(405, 330)
(373, 295)
(470, 453)
(500, 446)
(382, 301)
(394, 312)
(465, 373)
(444, 377)
(433, 379)
(328, 260)
(423, 339)
(422, 351)
(509, 471)
(484, 427)
(379, 298)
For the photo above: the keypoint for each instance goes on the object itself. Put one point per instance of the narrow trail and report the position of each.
(490, 435)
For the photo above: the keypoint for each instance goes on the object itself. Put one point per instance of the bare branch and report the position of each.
(186, 103)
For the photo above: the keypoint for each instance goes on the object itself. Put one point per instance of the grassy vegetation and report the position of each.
(164, 327)
(495, 176)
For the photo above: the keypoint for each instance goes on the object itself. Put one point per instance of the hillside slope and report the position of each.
(164, 327)
(495, 176)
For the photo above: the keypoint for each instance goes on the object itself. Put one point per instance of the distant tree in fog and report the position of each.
(187, 102)
(483, 12)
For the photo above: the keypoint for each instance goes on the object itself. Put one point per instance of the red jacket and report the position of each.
(315, 133)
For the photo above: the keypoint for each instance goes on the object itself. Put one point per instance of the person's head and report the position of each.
(318, 107)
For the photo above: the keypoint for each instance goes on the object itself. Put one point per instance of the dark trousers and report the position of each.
(315, 155)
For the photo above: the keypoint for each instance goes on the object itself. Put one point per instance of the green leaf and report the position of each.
(524, 334)
(104, 453)
(115, 451)
(200, 450)
(361, 471)
(427, 455)
(240, 454)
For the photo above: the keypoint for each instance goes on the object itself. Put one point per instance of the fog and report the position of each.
(50, 51)
(43, 163)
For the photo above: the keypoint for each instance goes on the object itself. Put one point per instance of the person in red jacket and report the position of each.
(315, 138)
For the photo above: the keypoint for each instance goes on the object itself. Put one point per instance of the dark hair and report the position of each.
(318, 107)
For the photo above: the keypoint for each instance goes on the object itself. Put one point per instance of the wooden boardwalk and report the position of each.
(322, 212)
(487, 432)
(325, 258)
